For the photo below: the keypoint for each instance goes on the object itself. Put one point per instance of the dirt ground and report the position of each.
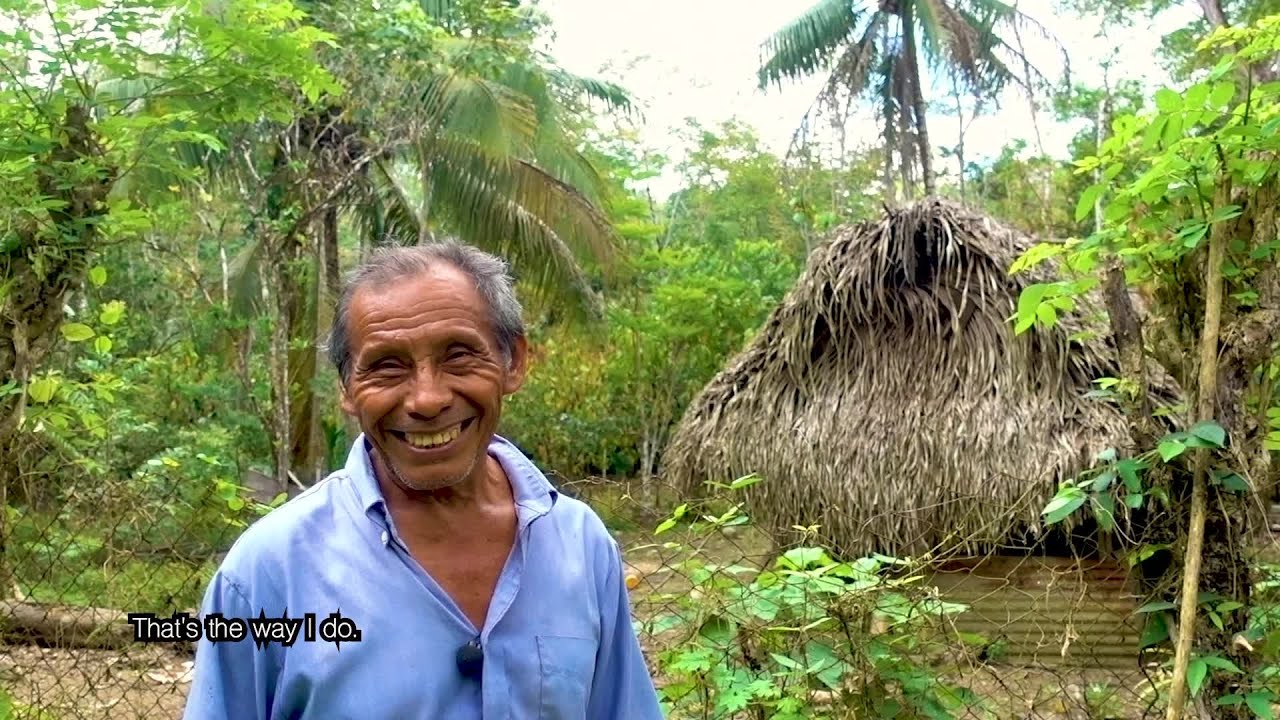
(140, 683)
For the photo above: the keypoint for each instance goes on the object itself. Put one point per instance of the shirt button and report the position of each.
(385, 537)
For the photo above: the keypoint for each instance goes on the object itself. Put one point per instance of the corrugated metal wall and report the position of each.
(1042, 611)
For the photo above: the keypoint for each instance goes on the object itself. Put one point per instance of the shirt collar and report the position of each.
(534, 494)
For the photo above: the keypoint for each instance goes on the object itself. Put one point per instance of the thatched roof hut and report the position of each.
(888, 399)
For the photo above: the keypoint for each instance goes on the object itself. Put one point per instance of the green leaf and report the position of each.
(745, 481)
(1222, 94)
(1197, 670)
(98, 276)
(718, 631)
(1231, 482)
(1155, 632)
(1103, 481)
(1156, 606)
(1210, 432)
(802, 558)
(111, 312)
(1171, 134)
(1196, 95)
(1028, 303)
(76, 332)
(786, 662)
(1128, 469)
(1104, 509)
(1226, 212)
(1193, 233)
(1168, 101)
(664, 526)
(1260, 704)
(1047, 315)
(1170, 449)
(1133, 501)
(102, 344)
(41, 390)
(1222, 664)
(1087, 199)
(1151, 137)
(1223, 67)
(1063, 504)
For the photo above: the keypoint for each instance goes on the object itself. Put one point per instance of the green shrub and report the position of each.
(804, 637)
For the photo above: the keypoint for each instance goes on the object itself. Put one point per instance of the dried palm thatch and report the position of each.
(888, 400)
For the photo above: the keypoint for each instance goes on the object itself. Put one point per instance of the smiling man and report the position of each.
(479, 591)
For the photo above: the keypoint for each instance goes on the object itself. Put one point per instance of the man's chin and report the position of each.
(404, 475)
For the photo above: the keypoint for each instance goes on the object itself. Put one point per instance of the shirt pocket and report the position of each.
(567, 667)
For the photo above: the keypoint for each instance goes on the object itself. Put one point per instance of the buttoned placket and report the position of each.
(495, 701)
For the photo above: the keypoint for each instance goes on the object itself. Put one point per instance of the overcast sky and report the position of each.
(697, 58)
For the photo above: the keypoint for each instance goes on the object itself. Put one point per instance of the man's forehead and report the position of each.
(446, 292)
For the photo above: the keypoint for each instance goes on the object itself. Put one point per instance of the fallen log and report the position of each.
(64, 626)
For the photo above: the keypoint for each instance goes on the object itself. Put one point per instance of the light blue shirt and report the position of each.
(558, 642)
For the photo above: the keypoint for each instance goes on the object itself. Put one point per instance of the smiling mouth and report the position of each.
(433, 440)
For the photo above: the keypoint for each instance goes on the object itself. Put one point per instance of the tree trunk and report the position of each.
(278, 362)
(955, 89)
(298, 288)
(332, 263)
(917, 97)
(64, 626)
(1226, 567)
(33, 301)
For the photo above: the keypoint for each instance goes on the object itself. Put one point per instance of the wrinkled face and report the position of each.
(427, 378)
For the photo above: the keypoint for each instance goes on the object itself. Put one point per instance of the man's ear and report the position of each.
(518, 366)
(348, 407)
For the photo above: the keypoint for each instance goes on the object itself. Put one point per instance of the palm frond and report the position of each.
(890, 103)
(244, 279)
(808, 43)
(992, 72)
(933, 33)
(485, 110)
(989, 15)
(399, 221)
(518, 210)
(611, 95)
(558, 204)
(853, 71)
(439, 10)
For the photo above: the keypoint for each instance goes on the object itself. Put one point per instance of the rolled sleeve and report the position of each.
(232, 680)
(623, 688)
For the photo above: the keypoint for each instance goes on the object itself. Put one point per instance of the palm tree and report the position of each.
(421, 142)
(875, 49)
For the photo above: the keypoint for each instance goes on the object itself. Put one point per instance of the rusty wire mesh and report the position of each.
(1036, 636)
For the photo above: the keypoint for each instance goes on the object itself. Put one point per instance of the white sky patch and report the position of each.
(698, 59)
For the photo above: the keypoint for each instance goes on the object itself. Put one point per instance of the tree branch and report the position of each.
(1206, 397)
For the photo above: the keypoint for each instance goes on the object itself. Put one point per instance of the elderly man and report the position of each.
(478, 590)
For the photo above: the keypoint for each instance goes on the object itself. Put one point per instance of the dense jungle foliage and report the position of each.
(184, 185)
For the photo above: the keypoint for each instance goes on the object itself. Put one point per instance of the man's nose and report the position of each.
(428, 395)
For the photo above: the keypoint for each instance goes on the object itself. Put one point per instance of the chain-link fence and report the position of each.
(735, 622)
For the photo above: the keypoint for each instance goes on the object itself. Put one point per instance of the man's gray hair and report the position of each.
(385, 265)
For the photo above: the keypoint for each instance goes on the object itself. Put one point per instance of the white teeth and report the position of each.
(427, 440)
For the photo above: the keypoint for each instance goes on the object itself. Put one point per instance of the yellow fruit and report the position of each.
(633, 581)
